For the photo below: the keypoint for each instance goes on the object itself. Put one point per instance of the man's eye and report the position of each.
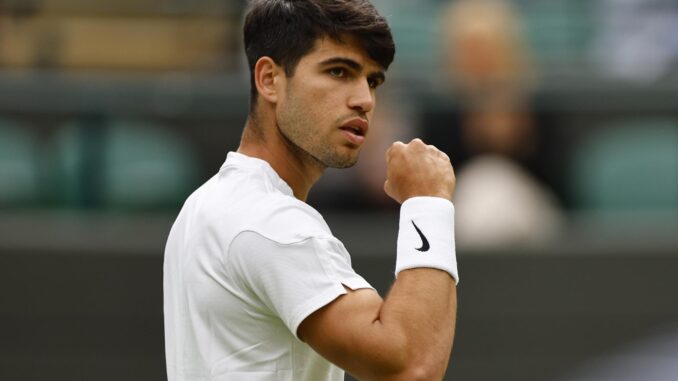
(373, 82)
(337, 72)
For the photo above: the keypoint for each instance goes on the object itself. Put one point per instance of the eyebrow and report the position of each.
(379, 75)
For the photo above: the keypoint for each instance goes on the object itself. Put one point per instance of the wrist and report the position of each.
(441, 195)
(426, 235)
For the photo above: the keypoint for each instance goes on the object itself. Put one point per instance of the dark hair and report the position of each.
(286, 30)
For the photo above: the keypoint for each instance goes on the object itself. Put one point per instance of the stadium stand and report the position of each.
(122, 164)
(629, 165)
(19, 172)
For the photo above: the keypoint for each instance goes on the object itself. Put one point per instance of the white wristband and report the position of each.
(426, 235)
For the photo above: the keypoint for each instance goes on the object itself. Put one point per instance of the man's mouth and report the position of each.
(353, 130)
(357, 126)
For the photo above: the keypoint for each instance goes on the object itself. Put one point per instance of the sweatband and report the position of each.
(426, 235)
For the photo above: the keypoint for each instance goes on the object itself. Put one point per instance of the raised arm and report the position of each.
(409, 335)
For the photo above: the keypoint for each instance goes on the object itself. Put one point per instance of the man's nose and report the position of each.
(362, 98)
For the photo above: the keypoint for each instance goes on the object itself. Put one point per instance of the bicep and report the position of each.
(349, 333)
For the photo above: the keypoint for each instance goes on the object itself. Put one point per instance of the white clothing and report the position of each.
(498, 204)
(245, 263)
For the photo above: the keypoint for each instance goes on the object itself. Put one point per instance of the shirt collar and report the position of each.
(244, 161)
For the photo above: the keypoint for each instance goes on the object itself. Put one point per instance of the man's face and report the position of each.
(326, 106)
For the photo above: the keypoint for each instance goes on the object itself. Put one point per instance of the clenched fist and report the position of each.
(416, 169)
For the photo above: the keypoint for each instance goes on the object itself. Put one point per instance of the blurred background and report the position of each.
(560, 117)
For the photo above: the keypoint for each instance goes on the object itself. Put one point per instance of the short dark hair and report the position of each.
(286, 30)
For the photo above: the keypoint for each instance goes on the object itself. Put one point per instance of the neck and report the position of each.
(262, 139)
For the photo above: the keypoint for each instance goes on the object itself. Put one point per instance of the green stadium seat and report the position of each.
(415, 27)
(19, 174)
(66, 157)
(123, 165)
(559, 30)
(632, 166)
(146, 166)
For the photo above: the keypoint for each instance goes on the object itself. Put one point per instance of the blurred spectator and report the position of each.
(484, 48)
(637, 39)
(498, 201)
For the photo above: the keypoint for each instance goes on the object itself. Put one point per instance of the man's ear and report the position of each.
(266, 76)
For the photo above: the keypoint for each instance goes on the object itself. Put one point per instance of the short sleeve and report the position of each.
(292, 280)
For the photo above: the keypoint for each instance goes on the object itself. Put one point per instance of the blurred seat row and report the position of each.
(123, 35)
(631, 165)
(122, 164)
(136, 165)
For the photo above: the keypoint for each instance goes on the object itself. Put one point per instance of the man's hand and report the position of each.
(417, 169)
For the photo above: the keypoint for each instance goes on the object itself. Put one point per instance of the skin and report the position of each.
(295, 127)
(297, 120)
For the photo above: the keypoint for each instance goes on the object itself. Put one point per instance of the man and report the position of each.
(256, 287)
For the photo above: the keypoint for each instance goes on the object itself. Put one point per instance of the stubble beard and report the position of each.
(300, 134)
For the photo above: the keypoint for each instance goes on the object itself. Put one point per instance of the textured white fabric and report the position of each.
(245, 264)
(426, 235)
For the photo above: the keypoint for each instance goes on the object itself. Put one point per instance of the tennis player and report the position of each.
(256, 287)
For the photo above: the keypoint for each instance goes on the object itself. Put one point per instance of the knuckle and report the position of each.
(395, 147)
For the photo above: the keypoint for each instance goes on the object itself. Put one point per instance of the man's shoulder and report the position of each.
(244, 204)
(285, 219)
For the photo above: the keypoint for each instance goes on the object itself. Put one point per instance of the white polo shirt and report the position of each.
(245, 263)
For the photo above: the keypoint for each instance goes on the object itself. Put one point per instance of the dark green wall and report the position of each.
(80, 316)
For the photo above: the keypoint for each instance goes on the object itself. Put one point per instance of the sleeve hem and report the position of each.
(313, 305)
(324, 299)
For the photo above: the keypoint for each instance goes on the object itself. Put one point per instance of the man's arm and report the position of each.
(409, 335)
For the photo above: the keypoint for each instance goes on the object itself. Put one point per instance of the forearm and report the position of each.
(422, 302)
(408, 336)
(418, 318)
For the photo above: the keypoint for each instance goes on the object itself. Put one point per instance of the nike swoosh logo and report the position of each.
(425, 246)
